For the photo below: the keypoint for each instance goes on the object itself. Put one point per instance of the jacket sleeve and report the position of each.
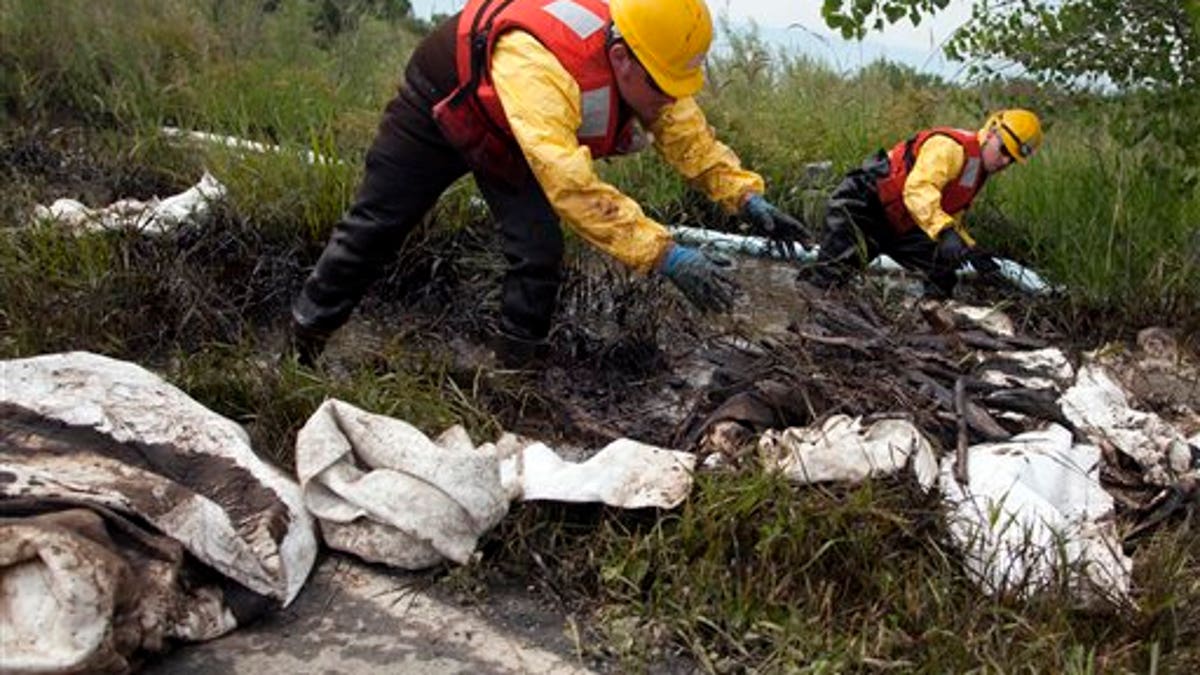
(686, 141)
(941, 160)
(543, 106)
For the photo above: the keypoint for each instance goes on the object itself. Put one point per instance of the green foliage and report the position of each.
(1147, 51)
(853, 18)
(332, 17)
(1131, 44)
(285, 194)
(97, 59)
(1128, 248)
(235, 70)
(753, 574)
(274, 399)
(48, 273)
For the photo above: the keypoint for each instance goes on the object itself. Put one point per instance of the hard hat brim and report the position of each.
(677, 86)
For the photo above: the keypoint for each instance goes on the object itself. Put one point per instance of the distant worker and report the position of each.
(910, 203)
(524, 94)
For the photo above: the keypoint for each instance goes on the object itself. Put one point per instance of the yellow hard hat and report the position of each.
(1020, 130)
(669, 37)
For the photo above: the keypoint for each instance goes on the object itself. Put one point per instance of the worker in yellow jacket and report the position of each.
(910, 202)
(524, 94)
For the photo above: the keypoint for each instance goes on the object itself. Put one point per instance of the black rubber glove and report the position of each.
(701, 278)
(984, 263)
(951, 249)
(766, 220)
(987, 270)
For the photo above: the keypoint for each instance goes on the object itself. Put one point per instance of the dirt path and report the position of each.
(354, 618)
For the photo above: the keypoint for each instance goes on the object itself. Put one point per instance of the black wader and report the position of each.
(857, 231)
(408, 167)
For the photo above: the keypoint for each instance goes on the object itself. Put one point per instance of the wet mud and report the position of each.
(628, 357)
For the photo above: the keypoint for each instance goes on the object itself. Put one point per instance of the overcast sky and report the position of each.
(807, 13)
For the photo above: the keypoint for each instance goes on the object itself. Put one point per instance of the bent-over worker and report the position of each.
(525, 94)
(910, 202)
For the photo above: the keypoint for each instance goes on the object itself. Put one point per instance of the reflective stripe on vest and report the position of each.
(970, 173)
(576, 17)
(956, 195)
(597, 109)
(573, 31)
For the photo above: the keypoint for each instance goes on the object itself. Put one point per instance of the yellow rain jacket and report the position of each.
(543, 106)
(940, 161)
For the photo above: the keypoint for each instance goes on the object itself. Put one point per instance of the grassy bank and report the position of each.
(750, 573)
(1088, 211)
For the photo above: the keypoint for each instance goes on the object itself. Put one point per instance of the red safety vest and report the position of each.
(956, 195)
(575, 32)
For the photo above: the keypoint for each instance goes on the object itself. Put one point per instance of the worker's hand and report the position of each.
(766, 220)
(701, 278)
(987, 270)
(984, 263)
(951, 249)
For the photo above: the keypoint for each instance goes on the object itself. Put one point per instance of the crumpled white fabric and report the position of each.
(59, 595)
(109, 477)
(76, 601)
(386, 492)
(1032, 510)
(841, 449)
(157, 216)
(625, 473)
(383, 490)
(128, 404)
(1098, 405)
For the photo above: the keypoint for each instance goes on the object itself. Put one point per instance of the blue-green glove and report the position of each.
(766, 220)
(700, 278)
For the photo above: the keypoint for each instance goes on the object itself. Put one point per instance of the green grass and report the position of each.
(273, 399)
(750, 573)
(1088, 211)
(1091, 215)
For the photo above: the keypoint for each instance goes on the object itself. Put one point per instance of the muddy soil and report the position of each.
(65, 162)
(629, 358)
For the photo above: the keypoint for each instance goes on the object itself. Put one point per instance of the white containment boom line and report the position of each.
(1022, 277)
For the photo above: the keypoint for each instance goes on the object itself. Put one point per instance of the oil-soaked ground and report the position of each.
(629, 357)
